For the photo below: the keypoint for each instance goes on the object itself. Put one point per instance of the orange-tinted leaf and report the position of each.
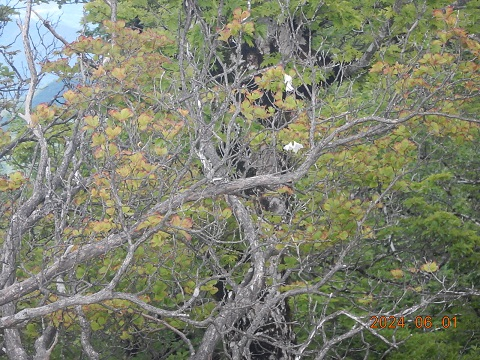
(183, 112)
(377, 67)
(285, 190)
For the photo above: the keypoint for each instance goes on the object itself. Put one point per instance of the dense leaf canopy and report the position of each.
(244, 180)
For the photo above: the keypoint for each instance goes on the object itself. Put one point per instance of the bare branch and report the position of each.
(86, 333)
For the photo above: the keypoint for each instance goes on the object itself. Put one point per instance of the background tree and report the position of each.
(157, 208)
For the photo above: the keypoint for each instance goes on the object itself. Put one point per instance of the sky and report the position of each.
(67, 20)
(68, 17)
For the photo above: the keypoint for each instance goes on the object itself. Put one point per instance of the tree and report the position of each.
(157, 209)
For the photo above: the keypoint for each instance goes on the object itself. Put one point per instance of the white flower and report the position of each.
(293, 147)
(288, 83)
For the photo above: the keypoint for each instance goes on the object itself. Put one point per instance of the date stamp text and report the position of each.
(420, 322)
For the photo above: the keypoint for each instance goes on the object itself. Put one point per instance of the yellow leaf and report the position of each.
(125, 335)
(143, 121)
(69, 95)
(17, 177)
(124, 171)
(119, 74)
(183, 112)
(3, 184)
(367, 299)
(113, 132)
(285, 190)
(226, 213)
(98, 139)
(396, 273)
(112, 149)
(429, 267)
(125, 114)
(91, 122)
(101, 226)
(44, 112)
(158, 238)
(249, 28)
(151, 221)
(160, 151)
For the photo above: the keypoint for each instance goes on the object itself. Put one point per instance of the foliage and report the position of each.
(155, 210)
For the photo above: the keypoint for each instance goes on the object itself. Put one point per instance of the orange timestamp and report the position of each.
(420, 322)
